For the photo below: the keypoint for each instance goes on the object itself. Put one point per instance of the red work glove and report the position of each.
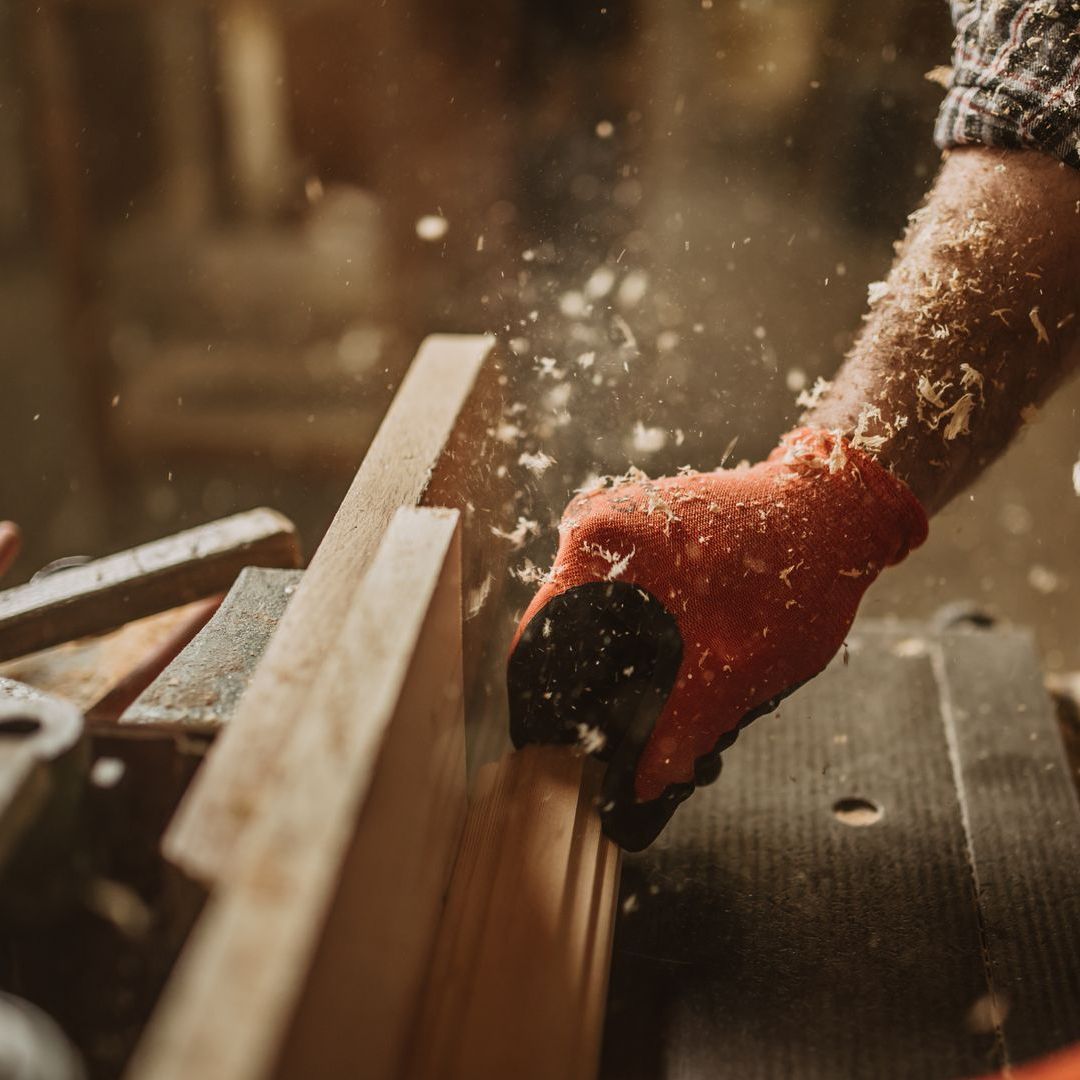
(680, 609)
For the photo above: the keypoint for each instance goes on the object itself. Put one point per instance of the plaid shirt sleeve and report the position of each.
(1016, 77)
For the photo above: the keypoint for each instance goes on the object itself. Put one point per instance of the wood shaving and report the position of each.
(941, 75)
(728, 451)
(519, 534)
(629, 342)
(876, 291)
(590, 739)
(656, 503)
(809, 398)
(955, 417)
(618, 563)
(859, 439)
(931, 393)
(969, 378)
(537, 463)
(531, 574)
(593, 485)
(786, 574)
(1040, 329)
(812, 457)
(959, 415)
(478, 597)
(837, 459)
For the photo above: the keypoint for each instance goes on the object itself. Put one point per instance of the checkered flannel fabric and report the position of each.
(1016, 77)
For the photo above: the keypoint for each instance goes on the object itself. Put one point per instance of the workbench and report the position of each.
(885, 881)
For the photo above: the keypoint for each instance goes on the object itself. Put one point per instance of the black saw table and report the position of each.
(884, 882)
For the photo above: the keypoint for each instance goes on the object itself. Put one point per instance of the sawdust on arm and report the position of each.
(975, 326)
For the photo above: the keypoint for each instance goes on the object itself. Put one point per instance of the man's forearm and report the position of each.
(976, 324)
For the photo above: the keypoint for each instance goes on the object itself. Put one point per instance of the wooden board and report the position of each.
(762, 936)
(88, 673)
(519, 975)
(433, 447)
(109, 592)
(201, 689)
(309, 961)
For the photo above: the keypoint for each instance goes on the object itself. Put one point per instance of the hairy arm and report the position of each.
(977, 323)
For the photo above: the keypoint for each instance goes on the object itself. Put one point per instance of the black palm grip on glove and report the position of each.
(596, 666)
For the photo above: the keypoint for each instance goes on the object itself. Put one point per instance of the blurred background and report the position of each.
(226, 224)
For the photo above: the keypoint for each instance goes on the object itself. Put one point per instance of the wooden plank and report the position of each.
(1023, 829)
(432, 447)
(144, 669)
(120, 588)
(519, 975)
(202, 687)
(763, 936)
(310, 960)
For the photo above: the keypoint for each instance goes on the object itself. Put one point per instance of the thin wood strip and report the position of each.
(117, 589)
(310, 960)
(432, 434)
(519, 975)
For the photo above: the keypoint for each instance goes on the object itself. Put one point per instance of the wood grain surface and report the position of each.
(519, 976)
(202, 687)
(309, 960)
(118, 589)
(430, 448)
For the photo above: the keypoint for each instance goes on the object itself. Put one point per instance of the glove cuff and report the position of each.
(898, 518)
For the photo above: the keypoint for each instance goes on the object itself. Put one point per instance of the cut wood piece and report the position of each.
(91, 673)
(310, 960)
(129, 585)
(519, 975)
(435, 447)
(201, 688)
